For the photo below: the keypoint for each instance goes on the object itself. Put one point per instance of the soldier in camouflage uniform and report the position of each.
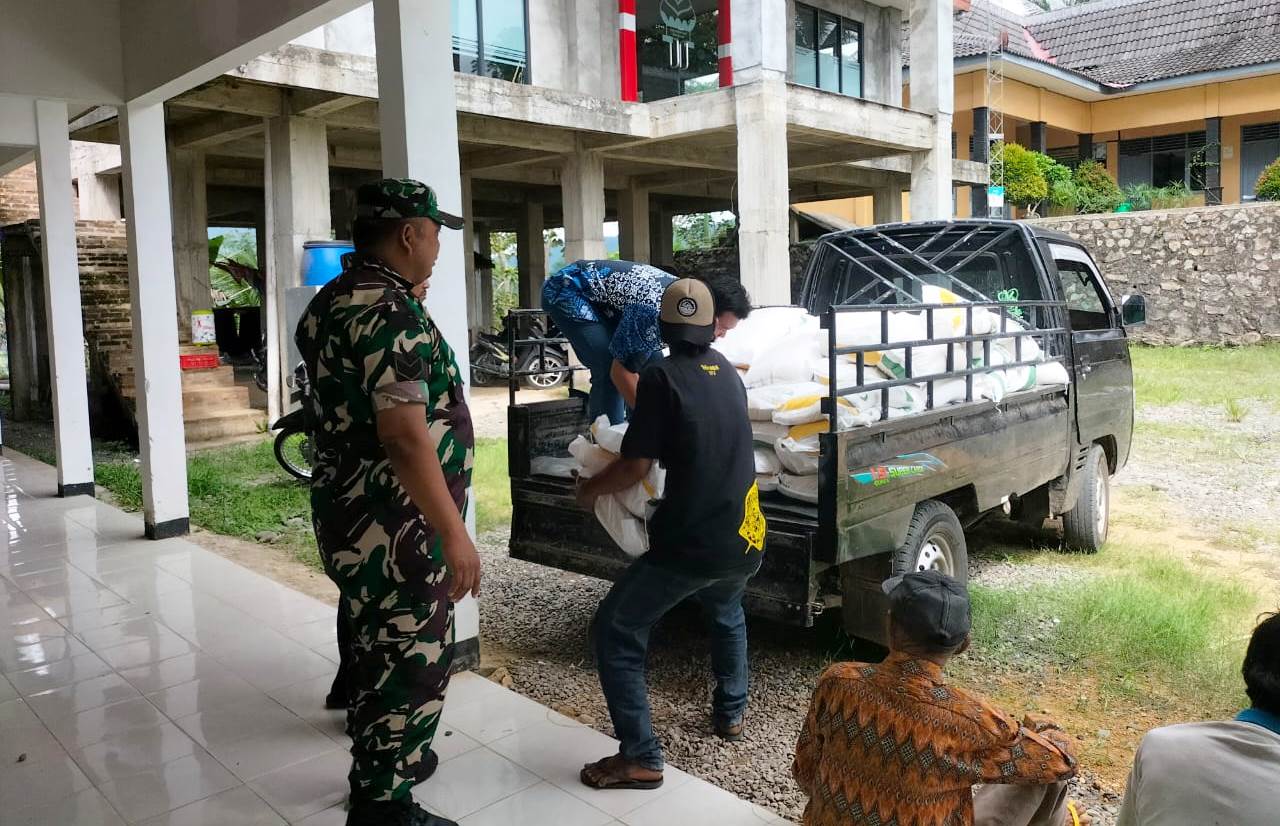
(394, 451)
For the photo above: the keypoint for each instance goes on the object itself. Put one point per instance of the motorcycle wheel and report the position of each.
(293, 452)
(545, 380)
(485, 370)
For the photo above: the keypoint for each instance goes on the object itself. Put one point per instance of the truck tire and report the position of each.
(1084, 527)
(935, 540)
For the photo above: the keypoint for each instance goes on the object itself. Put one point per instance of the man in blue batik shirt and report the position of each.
(608, 310)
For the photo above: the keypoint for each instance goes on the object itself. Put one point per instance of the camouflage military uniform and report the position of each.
(368, 345)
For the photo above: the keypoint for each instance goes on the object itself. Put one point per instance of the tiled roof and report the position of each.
(1122, 42)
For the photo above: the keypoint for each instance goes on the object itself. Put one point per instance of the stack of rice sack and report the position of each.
(622, 514)
(783, 357)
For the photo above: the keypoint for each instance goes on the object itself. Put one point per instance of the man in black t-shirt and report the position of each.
(706, 538)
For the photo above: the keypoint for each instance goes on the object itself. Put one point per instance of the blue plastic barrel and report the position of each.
(322, 261)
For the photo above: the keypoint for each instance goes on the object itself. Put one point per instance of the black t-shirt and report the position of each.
(691, 415)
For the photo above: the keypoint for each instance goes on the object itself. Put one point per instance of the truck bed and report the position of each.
(1022, 439)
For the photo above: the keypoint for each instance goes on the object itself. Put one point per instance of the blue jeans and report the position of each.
(591, 340)
(620, 639)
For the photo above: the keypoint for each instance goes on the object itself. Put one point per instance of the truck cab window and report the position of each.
(1086, 303)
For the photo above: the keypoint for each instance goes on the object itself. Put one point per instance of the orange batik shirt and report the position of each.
(894, 745)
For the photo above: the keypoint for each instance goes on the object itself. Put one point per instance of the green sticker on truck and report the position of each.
(906, 466)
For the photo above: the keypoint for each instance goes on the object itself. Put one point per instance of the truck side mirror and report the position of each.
(1133, 310)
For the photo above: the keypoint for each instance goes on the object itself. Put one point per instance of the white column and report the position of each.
(763, 190)
(418, 114)
(299, 193)
(886, 205)
(190, 235)
(62, 301)
(582, 194)
(933, 93)
(633, 224)
(155, 331)
(531, 254)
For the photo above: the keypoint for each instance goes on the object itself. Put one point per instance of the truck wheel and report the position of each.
(1085, 526)
(935, 541)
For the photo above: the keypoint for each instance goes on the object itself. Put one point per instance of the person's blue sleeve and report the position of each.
(636, 338)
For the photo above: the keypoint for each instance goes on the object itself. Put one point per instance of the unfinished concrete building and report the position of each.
(571, 113)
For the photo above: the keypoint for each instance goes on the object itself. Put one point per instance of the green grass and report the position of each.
(240, 491)
(1134, 619)
(1212, 376)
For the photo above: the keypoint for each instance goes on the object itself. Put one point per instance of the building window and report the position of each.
(828, 51)
(1168, 160)
(1259, 146)
(490, 38)
(677, 47)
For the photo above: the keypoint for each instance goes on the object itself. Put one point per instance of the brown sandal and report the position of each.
(611, 776)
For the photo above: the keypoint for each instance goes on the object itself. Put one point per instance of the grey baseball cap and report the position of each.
(931, 606)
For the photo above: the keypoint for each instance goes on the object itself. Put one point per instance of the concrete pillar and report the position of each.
(1039, 137)
(886, 205)
(531, 255)
(1213, 161)
(190, 235)
(298, 154)
(468, 257)
(763, 190)
(981, 152)
(759, 30)
(484, 300)
(99, 197)
(582, 194)
(662, 238)
(933, 93)
(419, 128)
(1084, 148)
(633, 224)
(62, 301)
(153, 299)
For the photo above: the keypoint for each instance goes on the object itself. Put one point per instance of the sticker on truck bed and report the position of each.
(906, 466)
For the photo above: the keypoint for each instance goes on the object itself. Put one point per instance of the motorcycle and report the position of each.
(293, 447)
(491, 363)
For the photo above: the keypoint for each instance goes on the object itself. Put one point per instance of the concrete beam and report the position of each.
(313, 103)
(227, 95)
(675, 153)
(862, 120)
(234, 176)
(489, 159)
(213, 130)
(305, 67)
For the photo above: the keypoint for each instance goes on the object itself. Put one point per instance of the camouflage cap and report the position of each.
(395, 198)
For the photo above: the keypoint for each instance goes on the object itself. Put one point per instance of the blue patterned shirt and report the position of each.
(624, 293)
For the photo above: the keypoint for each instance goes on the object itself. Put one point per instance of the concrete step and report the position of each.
(225, 425)
(198, 349)
(224, 376)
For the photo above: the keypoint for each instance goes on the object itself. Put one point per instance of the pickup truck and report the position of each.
(899, 493)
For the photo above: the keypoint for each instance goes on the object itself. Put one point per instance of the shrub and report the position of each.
(1064, 194)
(1172, 196)
(1052, 171)
(1139, 196)
(1097, 191)
(1024, 184)
(1268, 187)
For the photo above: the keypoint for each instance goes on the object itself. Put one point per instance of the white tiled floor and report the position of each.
(157, 683)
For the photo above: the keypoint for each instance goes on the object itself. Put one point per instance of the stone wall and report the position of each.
(1211, 275)
(724, 261)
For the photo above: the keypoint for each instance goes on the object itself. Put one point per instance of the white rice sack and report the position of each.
(757, 332)
(786, 360)
(1012, 379)
(639, 499)
(802, 488)
(767, 483)
(796, 457)
(591, 458)
(806, 409)
(767, 433)
(629, 533)
(762, 401)
(767, 462)
(1051, 373)
(855, 328)
(560, 467)
(608, 436)
(952, 391)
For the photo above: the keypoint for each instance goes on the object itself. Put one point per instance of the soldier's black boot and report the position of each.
(393, 813)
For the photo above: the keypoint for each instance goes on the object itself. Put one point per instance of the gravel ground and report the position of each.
(1225, 475)
(535, 619)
